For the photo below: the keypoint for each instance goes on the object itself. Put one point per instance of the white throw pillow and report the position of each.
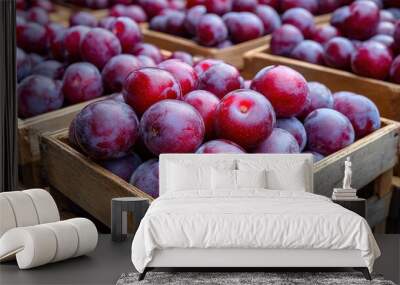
(223, 179)
(182, 177)
(251, 178)
(278, 180)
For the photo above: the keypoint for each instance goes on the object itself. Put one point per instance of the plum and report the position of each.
(324, 34)
(183, 56)
(153, 7)
(219, 7)
(372, 59)
(327, 6)
(361, 111)
(280, 141)
(285, 39)
(337, 53)
(98, 46)
(206, 104)
(82, 82)
(244, 5)
(175, 23)
(72, 42)
(284, 87)
(23, 64)
(319, 96)
(328, 131)
(309, 51)
(106, 129)
(183, 73)
(395, 70)
(133, 12)
(117, 96)
(269, 17)
(145, 178)
(295, 128)
(272, 3)
(193, 16)
(172, 126)
(83, 18)
(117, 70)
(203, 65)
(106, 22)
(301, 19)
(244, 117)
(44, 4)
(220, 79)
(310, 5)
(385, 28)
(148, 50)
(52, 29)
(220, 146)
(146, 86)
(244, 26)
(211, 30)
(124, 166)
(32, 37)
(38, 94)
(50, 68)
(146, 61)
(128, 33)
(37, 15)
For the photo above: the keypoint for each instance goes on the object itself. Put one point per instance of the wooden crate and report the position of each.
(384, 94)
(91, 186)
(29, 131)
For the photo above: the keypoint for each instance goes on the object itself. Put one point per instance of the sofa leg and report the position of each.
(364, 271)
(142, 275)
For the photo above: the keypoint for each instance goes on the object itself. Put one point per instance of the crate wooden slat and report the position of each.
(82, 180)
(91, 186)
(384, 94)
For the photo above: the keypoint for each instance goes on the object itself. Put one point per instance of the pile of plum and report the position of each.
(58, 66)
(209, 108)
(222, 23)
(360, 38)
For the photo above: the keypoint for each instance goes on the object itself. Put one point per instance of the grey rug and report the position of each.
(243, 278)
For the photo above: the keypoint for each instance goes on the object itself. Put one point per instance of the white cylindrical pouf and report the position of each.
(87, 234)
(7, 218)
(45, 205)
(23, 208)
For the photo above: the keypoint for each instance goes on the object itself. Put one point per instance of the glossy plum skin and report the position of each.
(386, 40)
(211, 30)
(206, 104)
(146, 86)
(193, 16)
(360, 20)
(319, 96)
(244, 26)
(172, 126)
(72, 41)
(372, 59)
(38, 15)
(301, 19)
(82, 82)
(280, 141)
(395, 70)
(23, 64)
(128, 33)
(203, 65)
(50, 68)
(337, 53)
(220, 79)
(106, 22)
(183, 73)
(32, 37)
(148, 50)
(285, 39)
(145, 178)
(83, 18)
(117, 70)
(361, 111)
(310, 5)
(269, 17)
(220, 146)
(244, 117)
(244, 5)
(117, 96)
(98, 46)
(396, 36)
(38, 94)
(328, 131)
(295, 128)
(133, 12)
(284, 87)
(106, 129)
(385, 28)
(324, 34)
(309, 51)
(218, 7)
(124, 166)
(183, 56)
(153, 7)
(146, 61)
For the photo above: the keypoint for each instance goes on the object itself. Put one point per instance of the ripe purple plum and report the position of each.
(82, 82)
(32, 37)
(280, 141)
(106, 129)
(183, 56)
(153, 7)
(148, 50)
(244, 117)
(319, 96)
(295, 128)
(128, 33)
(183, 73)
(301, 19)
(146, 61)
(133, 12)
(193, 16)
(328, 131)
(284, 87)
(309, 51)
(172, 126)
(361, 111)
(220, 146)
(285, 39)
(124, 166)
(98, 46)
(145, 178)
(37, 15)
(83, 18)
(23, 64)
(203, 65)
(244, 5)
(117, 70)
(244, 26)
(38, 94)
(211, 30)
(385, 28)
(147, 86)
(50, 68)
(395, 70)
(117, 96)
(310, 5)
(220, 79)
(106, 22)
(269, 17)
(337, 53)
(72, 41)
(324, 34)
